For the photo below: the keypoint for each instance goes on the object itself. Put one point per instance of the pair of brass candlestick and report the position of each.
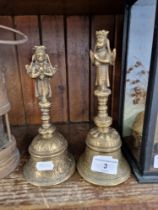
(102, 162)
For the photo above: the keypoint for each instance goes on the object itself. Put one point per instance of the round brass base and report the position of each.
(107, 145)
(49, 151)
(9, 158)
(64, 167)
(99, 178)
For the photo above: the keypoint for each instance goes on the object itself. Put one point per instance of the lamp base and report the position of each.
(50, 163)
(9, 158)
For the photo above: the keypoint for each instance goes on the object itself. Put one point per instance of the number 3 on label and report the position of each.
(105, 165)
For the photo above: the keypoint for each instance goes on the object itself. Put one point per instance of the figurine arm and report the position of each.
(31, 70)
(108, 47)
(113, 56)
(27, 67)
(92, 56)
(112, 53)
(53, 68)
(101, 60)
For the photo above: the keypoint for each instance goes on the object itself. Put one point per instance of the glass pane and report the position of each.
(3, 135)
(141, 28)
(154, 159)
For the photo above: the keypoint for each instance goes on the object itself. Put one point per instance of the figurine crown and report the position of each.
(39, 48)
(102, 33)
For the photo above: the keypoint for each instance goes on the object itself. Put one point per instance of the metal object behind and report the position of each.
(4, 102)
(9, 155)
(50, 162)
(103, 140)
(9, 158)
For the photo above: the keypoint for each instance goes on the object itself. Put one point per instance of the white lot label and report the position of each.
(104, 164)
(156, 161)
(45, 166)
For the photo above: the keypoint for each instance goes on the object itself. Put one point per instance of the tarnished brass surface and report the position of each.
(4, 103)
(103, 140)
(9, 155)
(9, 158)
(49, 145)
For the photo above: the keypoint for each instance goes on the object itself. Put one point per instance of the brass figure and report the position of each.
(50, 162)
(102, 163)
(102, 57)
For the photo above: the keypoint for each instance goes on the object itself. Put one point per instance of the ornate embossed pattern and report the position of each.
(54, 144)
(63, 169)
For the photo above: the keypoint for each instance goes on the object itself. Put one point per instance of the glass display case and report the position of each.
(139, 105)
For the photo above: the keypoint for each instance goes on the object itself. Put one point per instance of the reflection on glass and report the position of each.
(154, 159)
(140, 39)
(156, 137)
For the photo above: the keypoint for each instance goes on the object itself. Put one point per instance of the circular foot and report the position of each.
(99, 178)
(64, 167)
(9, 158)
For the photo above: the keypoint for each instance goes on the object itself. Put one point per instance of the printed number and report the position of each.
(105, 165)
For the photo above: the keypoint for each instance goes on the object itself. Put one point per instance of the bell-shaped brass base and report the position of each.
(9, 158)
(103, 144)
(50, 163)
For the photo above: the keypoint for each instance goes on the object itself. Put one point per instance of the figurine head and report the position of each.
(101, 38)
(40, 53)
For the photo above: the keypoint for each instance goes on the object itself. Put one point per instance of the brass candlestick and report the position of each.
(102, 162)
(50, 162)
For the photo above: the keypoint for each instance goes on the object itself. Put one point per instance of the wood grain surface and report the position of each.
(70, 7)
(117, 69)
(68, 40)
(16, 193)
(53, 38)
(29, 26)
(78, 67)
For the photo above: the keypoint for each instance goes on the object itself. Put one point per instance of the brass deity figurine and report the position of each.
(102, 163)
(50, 162)
(102, 57)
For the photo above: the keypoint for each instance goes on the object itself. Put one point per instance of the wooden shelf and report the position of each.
(16, 193)
(69, 7)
